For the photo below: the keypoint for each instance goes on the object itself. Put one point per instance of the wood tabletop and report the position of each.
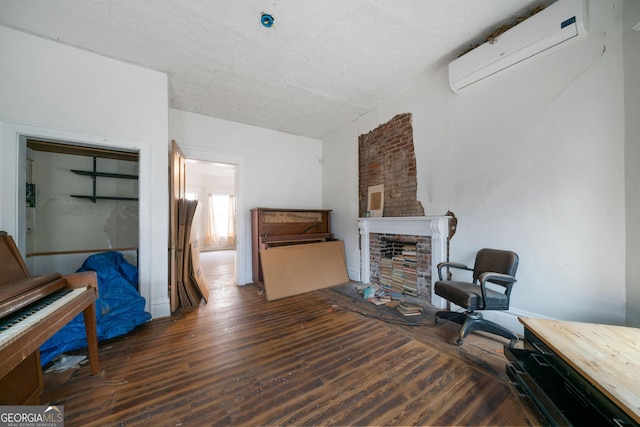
(608, 356)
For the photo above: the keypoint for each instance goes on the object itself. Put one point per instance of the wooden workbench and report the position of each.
(607, 356)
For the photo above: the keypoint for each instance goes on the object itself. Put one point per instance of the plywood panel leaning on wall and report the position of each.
(296, 269)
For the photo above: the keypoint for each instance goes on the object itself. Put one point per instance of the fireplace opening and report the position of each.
(401, 263)
(427, 233)
(398, 267)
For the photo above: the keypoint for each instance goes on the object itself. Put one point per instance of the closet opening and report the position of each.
(80, 200)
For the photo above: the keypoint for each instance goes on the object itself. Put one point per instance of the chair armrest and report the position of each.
(451, 265)
(490, 276)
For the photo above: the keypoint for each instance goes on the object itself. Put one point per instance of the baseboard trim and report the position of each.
(509, 319)
(160, 310)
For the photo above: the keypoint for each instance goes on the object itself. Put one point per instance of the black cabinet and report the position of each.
(559, 393)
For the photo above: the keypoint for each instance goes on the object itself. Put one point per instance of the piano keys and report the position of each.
(19, 322)
(17, 294)
(32, 309)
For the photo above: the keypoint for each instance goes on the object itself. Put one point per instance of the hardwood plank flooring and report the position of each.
(303, 360)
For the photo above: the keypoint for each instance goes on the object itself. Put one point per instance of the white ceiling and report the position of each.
(321, 65)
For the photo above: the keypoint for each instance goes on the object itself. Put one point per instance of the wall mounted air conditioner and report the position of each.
(551, 29)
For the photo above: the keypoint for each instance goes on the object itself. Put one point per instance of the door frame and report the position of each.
(13, 138)
(198, 153)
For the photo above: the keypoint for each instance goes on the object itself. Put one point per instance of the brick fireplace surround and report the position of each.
(428, 233)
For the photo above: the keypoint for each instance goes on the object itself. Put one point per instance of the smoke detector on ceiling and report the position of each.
(267, 20)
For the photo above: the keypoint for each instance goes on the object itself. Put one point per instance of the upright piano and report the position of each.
(271, 227)
(32, 309)
(578, 373)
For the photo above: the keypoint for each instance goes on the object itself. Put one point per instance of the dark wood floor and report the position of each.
(304, 360)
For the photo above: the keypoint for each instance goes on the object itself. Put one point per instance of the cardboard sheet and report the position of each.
(197, 275)
(296, 269)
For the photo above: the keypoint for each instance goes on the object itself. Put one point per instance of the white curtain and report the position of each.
(221, 220)
(211, 238)
(231, 229)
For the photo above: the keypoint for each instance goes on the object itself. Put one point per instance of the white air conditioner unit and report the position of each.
(549, 30)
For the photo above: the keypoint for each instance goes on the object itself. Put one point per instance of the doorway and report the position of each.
(214, 227)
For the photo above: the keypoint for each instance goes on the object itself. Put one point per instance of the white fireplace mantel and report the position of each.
(437, 227)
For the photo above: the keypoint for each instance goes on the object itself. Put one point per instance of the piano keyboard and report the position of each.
(16, 323)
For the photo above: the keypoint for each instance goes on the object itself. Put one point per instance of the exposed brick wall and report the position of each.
(386, 156)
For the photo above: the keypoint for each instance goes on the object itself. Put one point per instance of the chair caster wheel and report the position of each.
(512, 343)
(459, 341)
(437, 320)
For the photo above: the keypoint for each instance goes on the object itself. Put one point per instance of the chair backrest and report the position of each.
(496, 261)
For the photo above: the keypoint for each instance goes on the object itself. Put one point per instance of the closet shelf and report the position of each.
(94, 198)
(95, 174)
(104, 174)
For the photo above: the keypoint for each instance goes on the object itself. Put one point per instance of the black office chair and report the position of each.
(491, 266)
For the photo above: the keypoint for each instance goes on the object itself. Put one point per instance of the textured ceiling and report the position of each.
(321, 65)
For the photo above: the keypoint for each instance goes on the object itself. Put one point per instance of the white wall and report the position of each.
(52, 91)
(275, 169)
(531, 161)
(340, 191)
(631, 40)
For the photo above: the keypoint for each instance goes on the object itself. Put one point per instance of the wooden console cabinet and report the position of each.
(579, 373)
(280, 227)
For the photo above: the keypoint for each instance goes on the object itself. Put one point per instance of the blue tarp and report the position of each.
(119, 307)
